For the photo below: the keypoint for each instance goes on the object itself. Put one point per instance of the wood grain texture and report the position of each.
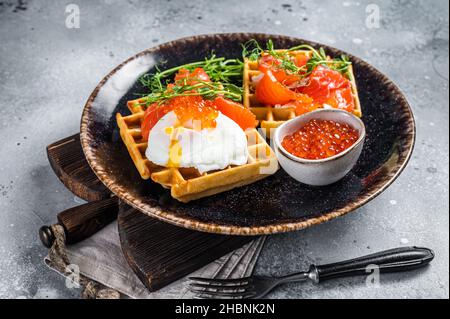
(160, 253)
(83, 221)
(67, 159)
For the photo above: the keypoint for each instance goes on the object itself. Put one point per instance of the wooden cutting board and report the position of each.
(159, 253)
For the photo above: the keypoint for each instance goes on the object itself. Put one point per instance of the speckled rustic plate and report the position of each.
(275, 204)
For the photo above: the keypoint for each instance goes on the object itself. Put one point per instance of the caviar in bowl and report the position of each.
(320, 147)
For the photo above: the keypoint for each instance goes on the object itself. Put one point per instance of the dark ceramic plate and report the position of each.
(275, 204)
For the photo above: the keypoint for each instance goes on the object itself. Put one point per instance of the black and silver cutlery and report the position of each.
(393, 260)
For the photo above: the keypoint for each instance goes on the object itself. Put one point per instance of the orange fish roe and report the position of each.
(195, 108)
(320, 139)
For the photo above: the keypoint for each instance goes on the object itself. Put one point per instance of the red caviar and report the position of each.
(186, 108)
(198, 110)
(319, 139)
(195, 108)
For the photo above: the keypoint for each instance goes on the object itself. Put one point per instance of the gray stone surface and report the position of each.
(47, 71)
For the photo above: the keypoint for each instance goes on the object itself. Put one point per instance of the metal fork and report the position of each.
(393, 260)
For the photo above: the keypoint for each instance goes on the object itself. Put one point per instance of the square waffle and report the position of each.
(269, 116)
(187, 184)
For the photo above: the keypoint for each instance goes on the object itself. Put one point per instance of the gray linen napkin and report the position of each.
(99, 258)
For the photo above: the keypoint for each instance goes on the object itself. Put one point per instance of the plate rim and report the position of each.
(194, 224)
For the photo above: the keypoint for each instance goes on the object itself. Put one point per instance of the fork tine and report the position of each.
(222, 282)
(221, 287)
(214, 294)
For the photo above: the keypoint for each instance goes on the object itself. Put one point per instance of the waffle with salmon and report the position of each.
(188, 184)
(270, 117)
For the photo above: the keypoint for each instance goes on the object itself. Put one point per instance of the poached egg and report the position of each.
(173, 145)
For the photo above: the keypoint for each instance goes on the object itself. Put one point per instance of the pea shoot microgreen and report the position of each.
(252, 51)
(209, 90)
(222, 72)
(226, 74)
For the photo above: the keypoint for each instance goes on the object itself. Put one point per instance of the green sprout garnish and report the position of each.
(222, 72)
(208, 90)
(252, 51)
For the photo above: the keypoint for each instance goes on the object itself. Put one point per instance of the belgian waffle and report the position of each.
(187, 184)
(271, 117)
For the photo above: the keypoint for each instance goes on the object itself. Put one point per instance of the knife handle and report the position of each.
(82, 221)
(393, 260)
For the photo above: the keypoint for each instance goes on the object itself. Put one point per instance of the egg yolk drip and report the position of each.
(189, 130)
(175, 149)
(192, 112)
(171, 145)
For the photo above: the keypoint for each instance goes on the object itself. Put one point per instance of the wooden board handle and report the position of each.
(67, 159)
(82, 221)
